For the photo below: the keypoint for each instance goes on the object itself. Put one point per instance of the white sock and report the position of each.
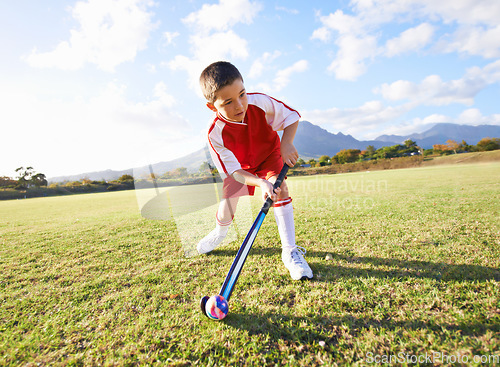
(223, 227)
(283, 212)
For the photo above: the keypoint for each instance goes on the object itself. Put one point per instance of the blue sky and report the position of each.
(112, 84)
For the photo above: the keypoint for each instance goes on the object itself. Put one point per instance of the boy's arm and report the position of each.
(248, 179)
(288, 151)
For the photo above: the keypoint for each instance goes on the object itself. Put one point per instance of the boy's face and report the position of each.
(231, 102)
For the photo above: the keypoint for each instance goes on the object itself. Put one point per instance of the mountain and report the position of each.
(440, 133)
(107, 175)
(191, 161)
(312, 141)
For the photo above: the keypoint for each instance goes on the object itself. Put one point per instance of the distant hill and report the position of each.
(313, 141)
(191, 161)
(440, 133)
(107, 175)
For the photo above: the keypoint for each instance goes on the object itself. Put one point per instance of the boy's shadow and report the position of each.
(328, 270)
(301, 333)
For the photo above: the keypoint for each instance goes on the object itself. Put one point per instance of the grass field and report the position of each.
(406, 267)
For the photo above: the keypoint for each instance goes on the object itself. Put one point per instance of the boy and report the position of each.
(247, 152)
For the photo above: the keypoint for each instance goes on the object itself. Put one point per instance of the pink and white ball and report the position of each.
(216, 307)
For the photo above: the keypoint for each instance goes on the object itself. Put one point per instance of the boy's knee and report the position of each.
(284, 194)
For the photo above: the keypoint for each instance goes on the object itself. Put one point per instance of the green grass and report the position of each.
(412, 271)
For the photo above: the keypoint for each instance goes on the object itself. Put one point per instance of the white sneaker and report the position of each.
(210, 242)
(293, 258)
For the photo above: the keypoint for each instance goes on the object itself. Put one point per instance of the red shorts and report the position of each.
(270, 167)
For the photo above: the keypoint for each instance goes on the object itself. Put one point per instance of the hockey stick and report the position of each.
(241, 256)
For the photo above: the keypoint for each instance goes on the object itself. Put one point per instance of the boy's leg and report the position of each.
(225, 214)
(224, 218)
(292, 255)
(231, 192)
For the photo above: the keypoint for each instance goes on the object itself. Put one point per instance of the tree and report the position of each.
(324, 160)
(347, 155)
(180, 172)
(124, 178)
(28, 176)
(410, 143)
(300, 162)
(370, 151)
(38, 180)
(440, 148)
(487, 144)
(409, 147)
(464, 147)
(452, 145)
(7, 182)
(390, 152)
(24, 177)
(205, 167)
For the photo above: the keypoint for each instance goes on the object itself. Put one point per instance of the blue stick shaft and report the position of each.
(241, 256)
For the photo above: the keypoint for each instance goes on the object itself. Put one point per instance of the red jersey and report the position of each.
(245, 145)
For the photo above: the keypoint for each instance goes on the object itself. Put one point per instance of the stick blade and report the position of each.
(203, 303)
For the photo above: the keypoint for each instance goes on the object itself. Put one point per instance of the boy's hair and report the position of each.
(216, 76)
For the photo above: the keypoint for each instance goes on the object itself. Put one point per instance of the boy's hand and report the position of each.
(268, 190)
(289, 153)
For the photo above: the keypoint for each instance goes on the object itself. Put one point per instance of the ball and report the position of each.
(216, 307)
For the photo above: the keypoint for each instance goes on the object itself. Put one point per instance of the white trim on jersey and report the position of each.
(278, 115)
(220, 154)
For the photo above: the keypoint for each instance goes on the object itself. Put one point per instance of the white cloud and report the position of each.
(207, 49)
(215, 46)
(470, 116)
(410, 40)
(259, 65)
(477, 40)
(169, 37)
(434, 91)
(473, 116)
(322, 34)
(283, 76)
(356, 121)
(417, 125)
(212, 38)
(354, 43)
(463, 12)
(151, 68)
(287, 10)
(450, 11)
(224, 15)
(110, 32)
(435, 118)
(374, 118)
(473, 25)
(353, 51)
(344, 23)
